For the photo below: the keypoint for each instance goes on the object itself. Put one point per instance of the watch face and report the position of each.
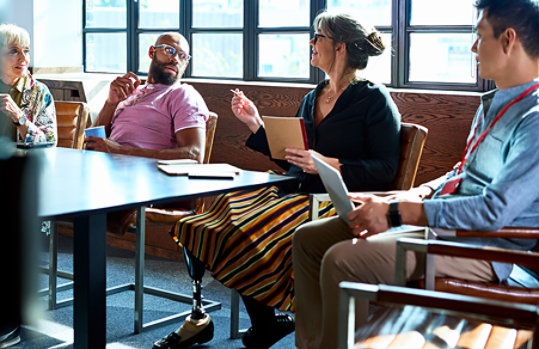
(22, 120)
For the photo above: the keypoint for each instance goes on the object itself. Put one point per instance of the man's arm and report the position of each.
(120, 89)
(191, 144)
(370, 218)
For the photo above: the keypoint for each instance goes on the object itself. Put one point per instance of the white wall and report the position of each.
(55, 28)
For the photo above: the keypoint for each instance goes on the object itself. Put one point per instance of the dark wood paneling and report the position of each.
(447, 116)
(448, 119)
(230, 136)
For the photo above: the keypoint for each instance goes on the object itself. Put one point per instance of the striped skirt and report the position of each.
(245, 241)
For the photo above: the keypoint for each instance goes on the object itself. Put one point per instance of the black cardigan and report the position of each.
(362, 131)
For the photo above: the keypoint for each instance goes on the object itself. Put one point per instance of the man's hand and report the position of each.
(370, 217)
(122, 87)
(101, 144)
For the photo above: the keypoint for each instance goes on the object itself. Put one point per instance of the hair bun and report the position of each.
(374, 44)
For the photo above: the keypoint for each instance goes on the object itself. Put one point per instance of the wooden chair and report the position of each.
(154, 217)
(412, 318)
(493, 304)
(71, 119)
(413, 139)
(165, 216)
(521, 289)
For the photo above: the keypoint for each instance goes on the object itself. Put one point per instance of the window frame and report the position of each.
(400, 31)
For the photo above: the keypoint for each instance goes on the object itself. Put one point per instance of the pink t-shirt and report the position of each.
(150, 117)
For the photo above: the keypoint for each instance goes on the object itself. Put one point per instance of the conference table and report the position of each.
(83, 186)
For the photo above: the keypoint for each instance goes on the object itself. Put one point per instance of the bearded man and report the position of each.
(162, 118)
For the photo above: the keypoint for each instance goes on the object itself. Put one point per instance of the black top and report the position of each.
(362, 131)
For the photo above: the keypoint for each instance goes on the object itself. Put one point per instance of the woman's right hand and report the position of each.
(245, 110)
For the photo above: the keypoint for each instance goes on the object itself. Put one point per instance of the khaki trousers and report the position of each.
(325, 253)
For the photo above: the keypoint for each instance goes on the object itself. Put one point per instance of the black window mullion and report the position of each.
(250, 39)
(317, 75)
(394, 44)
(132, 39)
(186, 20)
(402, 42)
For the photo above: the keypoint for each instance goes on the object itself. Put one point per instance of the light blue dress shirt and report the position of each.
(500, 180)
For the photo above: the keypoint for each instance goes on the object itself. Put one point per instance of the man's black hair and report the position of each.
(521, 15)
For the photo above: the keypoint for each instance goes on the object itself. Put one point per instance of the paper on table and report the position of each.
(284, 132)
(201, 170)
(177, 162)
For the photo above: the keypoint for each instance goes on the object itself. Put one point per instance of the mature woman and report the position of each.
(25, 103)
(245, 237)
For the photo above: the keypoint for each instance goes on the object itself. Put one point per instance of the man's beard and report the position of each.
(158, 73)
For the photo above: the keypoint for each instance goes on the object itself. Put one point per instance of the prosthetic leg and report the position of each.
(198, 327)
(196, 270)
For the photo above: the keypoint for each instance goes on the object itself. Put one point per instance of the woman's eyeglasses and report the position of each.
(317, 36)
(171, 51)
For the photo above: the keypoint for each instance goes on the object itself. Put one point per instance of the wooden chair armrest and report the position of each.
(456, 249)
(507, 233)
(430, 248)
(166, 216)
(502, 313)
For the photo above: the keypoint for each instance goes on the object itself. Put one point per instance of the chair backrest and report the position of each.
(71, 118)
(413, 139)
(211, 125)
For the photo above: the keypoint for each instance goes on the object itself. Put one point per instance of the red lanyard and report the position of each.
(465, 155)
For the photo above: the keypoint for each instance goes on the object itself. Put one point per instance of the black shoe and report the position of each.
(174, 341)
(10, 336)
(264, 339)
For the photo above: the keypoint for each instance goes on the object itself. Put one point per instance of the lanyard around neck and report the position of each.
(466, 155)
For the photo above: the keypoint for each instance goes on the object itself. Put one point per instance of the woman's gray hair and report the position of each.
(360, 42)
(12, 34)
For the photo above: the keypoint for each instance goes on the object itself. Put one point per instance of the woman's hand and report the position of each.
(122, 87)
(245, 110)
(10, 108)
(303, 159)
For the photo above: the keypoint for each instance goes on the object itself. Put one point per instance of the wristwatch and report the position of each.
(22, 121)
(394, 215)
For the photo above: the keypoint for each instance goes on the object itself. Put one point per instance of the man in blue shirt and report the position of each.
(494, 185)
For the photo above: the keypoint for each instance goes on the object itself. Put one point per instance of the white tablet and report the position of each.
(335, 187)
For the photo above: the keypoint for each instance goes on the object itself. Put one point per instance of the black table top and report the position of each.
(76, 182)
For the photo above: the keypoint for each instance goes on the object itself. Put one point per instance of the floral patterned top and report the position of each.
(35, 100)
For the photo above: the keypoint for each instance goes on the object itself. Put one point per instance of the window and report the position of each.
(427, 41)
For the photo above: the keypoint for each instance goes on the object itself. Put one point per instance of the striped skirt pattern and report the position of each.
(245, 240)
